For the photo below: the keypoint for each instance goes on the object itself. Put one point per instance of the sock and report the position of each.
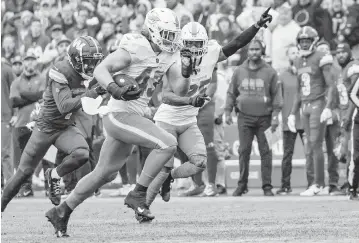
(64, 210)
(220, 173)
(185, 170)
(54, 174)
(212, 161)
(156, 185)
(140, 188)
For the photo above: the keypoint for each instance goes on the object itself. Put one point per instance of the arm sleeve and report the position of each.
(63, 98)
(232, 94)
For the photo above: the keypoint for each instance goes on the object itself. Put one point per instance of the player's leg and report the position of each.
(137, 130)
(163, 180)
(289, 139)
(34, 151)
(113, 155)
(331, 135)
(355, 180)
(73, 144)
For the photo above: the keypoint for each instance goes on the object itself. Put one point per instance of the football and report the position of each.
(123, 80)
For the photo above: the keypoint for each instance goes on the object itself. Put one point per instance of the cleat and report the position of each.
(25, 191)
(194, 190)
(210, 191)
(240, 190)
(166, 189)
(59, 223)
(335, 191)
(268, 192)
(54, 188)
(137, 202)
(284, 191)
(141, 219)
(221, 189)
(353, 195)
(312, 191)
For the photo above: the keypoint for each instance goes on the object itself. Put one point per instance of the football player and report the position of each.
(348, 77)
(178, 113)
(55, 122)
(314, 97)
(146, 57)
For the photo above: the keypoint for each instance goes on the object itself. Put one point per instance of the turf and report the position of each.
(252, 218)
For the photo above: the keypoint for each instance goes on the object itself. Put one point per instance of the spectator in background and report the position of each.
(24, 92)
(201, 13)
(339, 19)
(17, 67)
(106, 36)
(80, 28)
(50, 52)
(16, 6)
(225, 10)
(8, 48)
(283, 36)
(36, 41)
(158, 3)
(253, 92)
(62, 49)
(289, 87)
(48, 15)
(179, 9)
(26, 18)
(137, 20)
(7, 121)
(67, 17)
(351, 32)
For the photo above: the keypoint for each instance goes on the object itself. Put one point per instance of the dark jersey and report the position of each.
(310, 75)
(61, 98)
(344, 83)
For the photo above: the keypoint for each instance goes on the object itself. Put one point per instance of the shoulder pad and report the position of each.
(326, 59)
(354, 69)
(136, 44)
(58, 77)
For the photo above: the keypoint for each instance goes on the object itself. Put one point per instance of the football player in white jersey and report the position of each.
(147, 57)
(177, 115)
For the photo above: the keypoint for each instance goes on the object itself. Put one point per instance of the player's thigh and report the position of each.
(173, 130)
(317, 128)
(113, 156)
(70, 140)
(137, 130)
(191, 141)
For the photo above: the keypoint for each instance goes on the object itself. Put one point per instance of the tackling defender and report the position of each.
(177, 115)
(348, 78)
(315, 83)
(147, 57)
(55, 122)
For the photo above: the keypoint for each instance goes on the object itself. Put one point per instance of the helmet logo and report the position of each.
(153, 17)
(78, 44)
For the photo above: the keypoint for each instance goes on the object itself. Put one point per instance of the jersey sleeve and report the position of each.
(325, 59)
(213, 50)
(57, 76)
(136, 45)
(354, 69)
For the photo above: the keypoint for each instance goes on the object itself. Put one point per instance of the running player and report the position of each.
(177, 114)
(146, 57)
(55, 122)
(316, 82)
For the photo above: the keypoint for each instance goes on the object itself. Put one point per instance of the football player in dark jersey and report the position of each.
(55, 124)
(314, 97)
(349, 77)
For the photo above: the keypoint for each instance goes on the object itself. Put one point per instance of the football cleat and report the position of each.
(284, 191)
(353, 195)
(59, 223)
(137, 201)
(194, 190)
(54, 188)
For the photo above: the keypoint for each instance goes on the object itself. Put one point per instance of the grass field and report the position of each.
(252, 218)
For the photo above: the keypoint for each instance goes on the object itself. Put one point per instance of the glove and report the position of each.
(275, 123)
(291, 123)
(99, 90)
(186, 62)
(218, 120)
(346, 124)
(127, 92)
(326, 115)
(198, 100)
(95, 91)
(265, 18)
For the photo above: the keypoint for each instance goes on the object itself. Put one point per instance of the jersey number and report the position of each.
(305, 84)
(152, 75)
(194, 89)
(343, 94)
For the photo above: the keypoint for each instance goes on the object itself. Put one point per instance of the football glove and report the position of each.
(198, 100)
(127, 92)
(326, 115)
(186, 62)
(265, 18)
(291, 123)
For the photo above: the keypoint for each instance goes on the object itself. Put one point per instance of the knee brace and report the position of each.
(200, 161)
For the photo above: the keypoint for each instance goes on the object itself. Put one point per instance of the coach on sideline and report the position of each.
(253, 92)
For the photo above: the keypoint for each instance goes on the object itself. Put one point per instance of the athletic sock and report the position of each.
(140, 188)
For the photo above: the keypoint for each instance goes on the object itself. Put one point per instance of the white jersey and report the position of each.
(182, 115)
(147, 68)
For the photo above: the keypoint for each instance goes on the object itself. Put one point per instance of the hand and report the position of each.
(198, 100)
(218, 120)
(275, 123)
(291, 123)
(13, 120)
(229, 120)
(99, 90)
(346, 124)
(186, 62)
(132, 94)
(326, 115)
(127, 92)
(265, 18)
(31, 125)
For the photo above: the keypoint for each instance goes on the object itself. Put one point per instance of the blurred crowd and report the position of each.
(36, 33)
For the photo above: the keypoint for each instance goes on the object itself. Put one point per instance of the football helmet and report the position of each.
(84, 54)
(194, 37)
(163, 29)
(311, 35)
